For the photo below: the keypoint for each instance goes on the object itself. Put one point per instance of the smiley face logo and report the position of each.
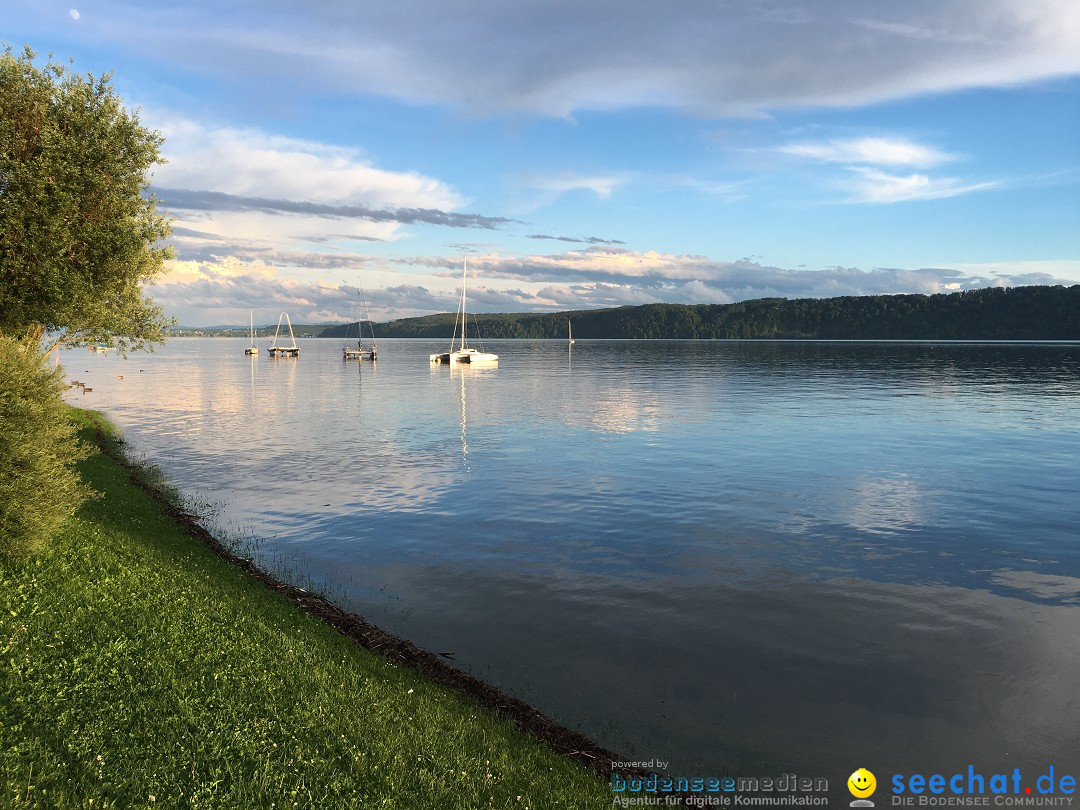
(861, 783)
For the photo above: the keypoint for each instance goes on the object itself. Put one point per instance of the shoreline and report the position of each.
(564, 741)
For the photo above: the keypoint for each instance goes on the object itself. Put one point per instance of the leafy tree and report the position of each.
(39, 487)
(79, 232)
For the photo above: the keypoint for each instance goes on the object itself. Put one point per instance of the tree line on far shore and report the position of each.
(993, 313)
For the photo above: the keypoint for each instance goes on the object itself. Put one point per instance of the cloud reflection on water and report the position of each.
(750, 557)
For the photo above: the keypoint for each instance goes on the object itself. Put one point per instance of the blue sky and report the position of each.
(591, 153)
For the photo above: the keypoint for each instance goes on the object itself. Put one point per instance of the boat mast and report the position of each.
(367, 315)
(292, 337)
(464, 316)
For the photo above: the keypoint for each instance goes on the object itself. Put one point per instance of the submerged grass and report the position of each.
(139, 669)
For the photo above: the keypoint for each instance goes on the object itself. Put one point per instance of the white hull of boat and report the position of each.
(470, 356)
(464, 354)
(252, 348)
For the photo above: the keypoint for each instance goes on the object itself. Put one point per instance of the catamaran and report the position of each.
(284, 351)
(464, 353)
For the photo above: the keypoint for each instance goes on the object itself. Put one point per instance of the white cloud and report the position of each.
(554, 57)
(538, 190)
(872, 151)
(956, 37)
(564, 182)
(253, 163)
(1052, 271)
(873, 186)
(305, 185)
(865, 161)
(701, 293)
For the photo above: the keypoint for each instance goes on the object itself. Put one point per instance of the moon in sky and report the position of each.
(74, 14)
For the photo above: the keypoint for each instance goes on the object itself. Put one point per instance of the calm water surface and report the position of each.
(745, 558)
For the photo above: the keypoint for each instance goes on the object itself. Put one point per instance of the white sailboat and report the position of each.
(252, 348)
(464, 353)
(569, 333)
(360, 352)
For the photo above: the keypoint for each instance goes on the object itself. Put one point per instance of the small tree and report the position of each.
(79, 233)
(39, 487)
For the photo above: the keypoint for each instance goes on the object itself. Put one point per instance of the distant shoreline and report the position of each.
(912, 341)
(1035, 313)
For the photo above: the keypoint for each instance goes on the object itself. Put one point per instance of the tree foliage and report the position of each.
(39, 487)
(994, 313)
(79, 231)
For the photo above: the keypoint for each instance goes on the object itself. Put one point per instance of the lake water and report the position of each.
(742, 557)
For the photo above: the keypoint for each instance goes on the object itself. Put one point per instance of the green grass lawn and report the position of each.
(138, 669)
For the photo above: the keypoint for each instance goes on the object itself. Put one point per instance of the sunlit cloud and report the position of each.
(203, 293)
(187, 272)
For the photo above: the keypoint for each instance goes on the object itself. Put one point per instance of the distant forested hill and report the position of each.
(996, 313)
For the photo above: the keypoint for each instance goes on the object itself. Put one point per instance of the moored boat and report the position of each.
(464, 353)
(252, 348)
(284, 351)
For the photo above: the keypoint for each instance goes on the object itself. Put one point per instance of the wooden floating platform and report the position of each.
(284, 351)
